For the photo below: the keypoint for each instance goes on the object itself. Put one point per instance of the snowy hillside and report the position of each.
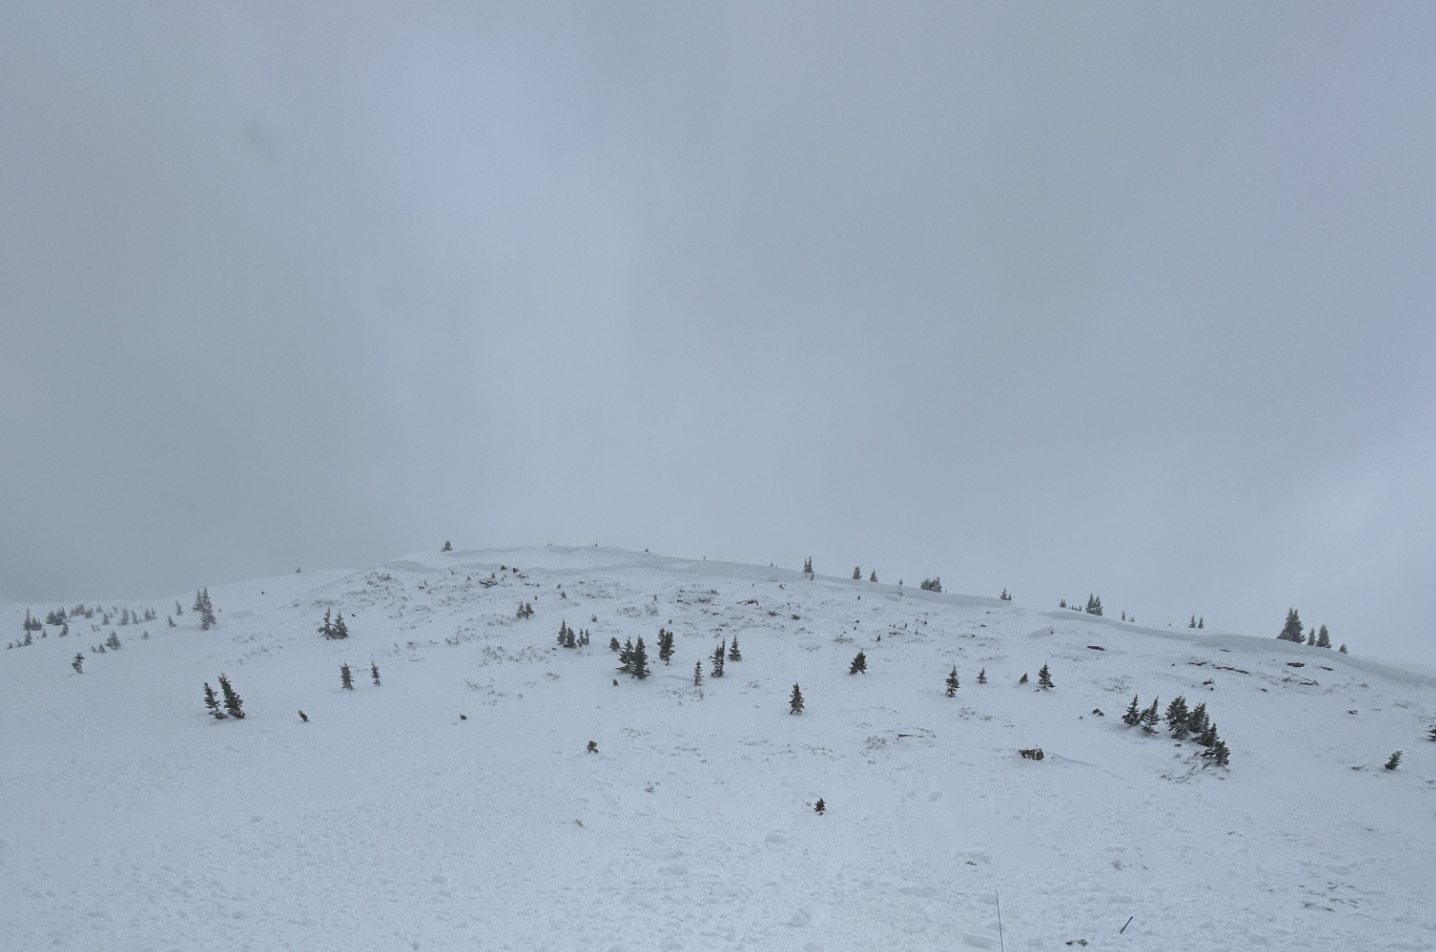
(456, 806)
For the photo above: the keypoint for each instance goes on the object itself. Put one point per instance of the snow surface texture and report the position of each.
(456, 807)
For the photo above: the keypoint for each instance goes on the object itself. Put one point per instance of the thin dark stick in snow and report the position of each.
(1000, 943)
(1124, 927)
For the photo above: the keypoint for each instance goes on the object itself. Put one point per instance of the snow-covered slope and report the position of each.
(456, 807)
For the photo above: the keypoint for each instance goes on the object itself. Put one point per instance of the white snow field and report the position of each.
(456, 807)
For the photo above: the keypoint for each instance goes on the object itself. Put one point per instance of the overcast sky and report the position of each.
(1128, 299)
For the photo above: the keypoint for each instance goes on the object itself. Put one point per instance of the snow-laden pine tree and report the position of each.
(952, 684)
(733, 653)
(1044, 677)
(346, 678)
(795, 701)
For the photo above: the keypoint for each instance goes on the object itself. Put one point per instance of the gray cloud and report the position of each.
(1125, 299)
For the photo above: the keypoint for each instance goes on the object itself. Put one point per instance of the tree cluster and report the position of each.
(567, 638)
(526, 610)
(205, 608)
(334, 629)
(1094, 605)
(633, 659)
(1194, 623)
(1181, 723)
(233, 704)
(665, 645)
(931, 585)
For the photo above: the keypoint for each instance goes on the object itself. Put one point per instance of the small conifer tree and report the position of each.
(211, 703)
(640, 660)
(1208, 737)
(1323, 638)
(346, 678)
(982, 676)
(1178, 717)
(733, 653)
(79, 665)
(952, 683)
(795, 701)
(1149, 718)
(1431, 736)
(233, 705)
(857, 574)
(326, 628)
(1343, 648)
(859, 665)
(1094, 605)
(697, 674)
(1218, 752)
(113, 642)
(719, 654)
(1311, 637)
(1201, 623)
(1394, 761)
(1197, 719)
(874, 576)
(374, 673)
(625, 657)
(821, 806)
(1023, 679)
(1291, 631)
(1193, 622)
(1044, 677)
(665, 645)
(171, 621)
(1133, 715)
(808, 566)
(341, 630)
(448, 547)
(613, 645)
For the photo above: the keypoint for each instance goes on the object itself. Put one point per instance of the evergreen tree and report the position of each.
(1431, 736)
(1197, 720)
(179, 609)
(1044, 677)
(718, 656)
(733, 653)
(584, 639)
(79, 665)
(874, 576)
(820, 807)
(1178, 717)
(113, 642)
(1394, 761)
(171, 621)
(857, 574)
(1005, 596)
(1149, 718)
(665, 645)
(1094, 605)
(341, 630)
(625, 657)
(1311, 637)
(613, 645)
(1023, 679)
(206, 610)
(931, 585)
(640, 660)
(1323, 638)
(346, 679)
(1218, 752)
(1291, 631)
(1343, 648)
(233, 705)
(952, 683)
(447, 546)
(982, 676)
(374, 673)
(1201, 623)
(211, 703)
(795, 702)
(1133, 717)
(327, 628)
(1193, 622)
(1208, 737)
(860, 664)
(697, 674)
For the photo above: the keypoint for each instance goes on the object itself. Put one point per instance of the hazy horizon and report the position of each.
(1115, 299)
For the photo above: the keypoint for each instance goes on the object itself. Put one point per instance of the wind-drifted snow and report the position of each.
(455, 806)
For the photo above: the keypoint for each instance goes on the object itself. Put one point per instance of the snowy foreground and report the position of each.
(456, 807)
